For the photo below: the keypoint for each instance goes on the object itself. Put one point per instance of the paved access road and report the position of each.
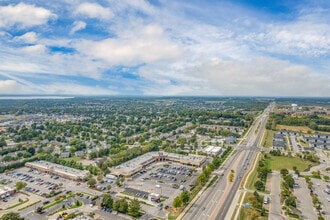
(275, 206)
(215, 202)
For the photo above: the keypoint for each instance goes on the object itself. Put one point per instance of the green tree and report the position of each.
(20, 185)
(134, 208)
(284, 172)
(107, 201)
(121, 205)
(31, 150)
(291, 201)
(11, 216)
(259, 185)
(289, 181)
(202, 179)
(177, 202)
(91, 182)
(185, 197)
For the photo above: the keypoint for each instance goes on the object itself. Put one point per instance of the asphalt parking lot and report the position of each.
(304, 199)
(37, 183)
(320, 188)
(167, 180)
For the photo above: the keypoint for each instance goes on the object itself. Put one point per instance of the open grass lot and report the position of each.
(76, 159)
(252, 179)
(253, 176)
(302, 129)
(281, 162)
(267, 140)
(249, 213)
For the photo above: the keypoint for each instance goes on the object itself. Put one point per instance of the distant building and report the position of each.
(279, 140)
(79, 153)
(65, 155)
(230, 140)
(294, 107)
(319, 140)
(278, 145)
(278, 137)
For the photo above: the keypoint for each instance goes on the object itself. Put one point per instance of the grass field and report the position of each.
(245, 213)
(280, 162)
(76, 159)
(267, 140)
(252, 179)
(302, 129)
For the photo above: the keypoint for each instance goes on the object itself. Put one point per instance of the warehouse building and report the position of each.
(59, 170)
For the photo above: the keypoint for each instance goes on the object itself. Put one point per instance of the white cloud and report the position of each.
(138, 5)
(24, 15)
(132, 47)
(9, 87)
(76, 89)
(263, 76)
(77, 25)
(255, 77)
(34, 49)
(29, 37)
(94, 10)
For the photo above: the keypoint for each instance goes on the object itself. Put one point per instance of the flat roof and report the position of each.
(137, 163)
(212, 149)
(59, 168)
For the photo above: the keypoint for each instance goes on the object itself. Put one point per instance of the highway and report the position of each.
(215, 202)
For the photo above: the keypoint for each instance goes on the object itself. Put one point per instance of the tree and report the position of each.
(291, 201)
(11, 216)
(259, 185)
(326, 178)
(134, 208)
(91, 182)
(202, 179)
(121, 205)
(289, 181)
(31, 150)
(107, 201)
(20, 185)
(284, 172)
(185, 197)
(177, 202)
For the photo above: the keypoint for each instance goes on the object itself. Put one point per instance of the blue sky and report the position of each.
(165, 47)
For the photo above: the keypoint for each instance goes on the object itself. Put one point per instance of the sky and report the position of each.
(165, 47)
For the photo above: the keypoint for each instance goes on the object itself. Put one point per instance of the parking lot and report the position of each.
(320, 188)
(304, 199)
(167, 180)
(37, 183)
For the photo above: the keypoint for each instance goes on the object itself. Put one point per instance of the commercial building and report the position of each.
(6, 191)
(135, 165)
(59, 170)
(213, 150)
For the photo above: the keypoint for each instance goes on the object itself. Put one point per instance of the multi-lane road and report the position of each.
(215, 202)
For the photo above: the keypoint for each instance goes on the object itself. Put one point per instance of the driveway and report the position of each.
(275, 202)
